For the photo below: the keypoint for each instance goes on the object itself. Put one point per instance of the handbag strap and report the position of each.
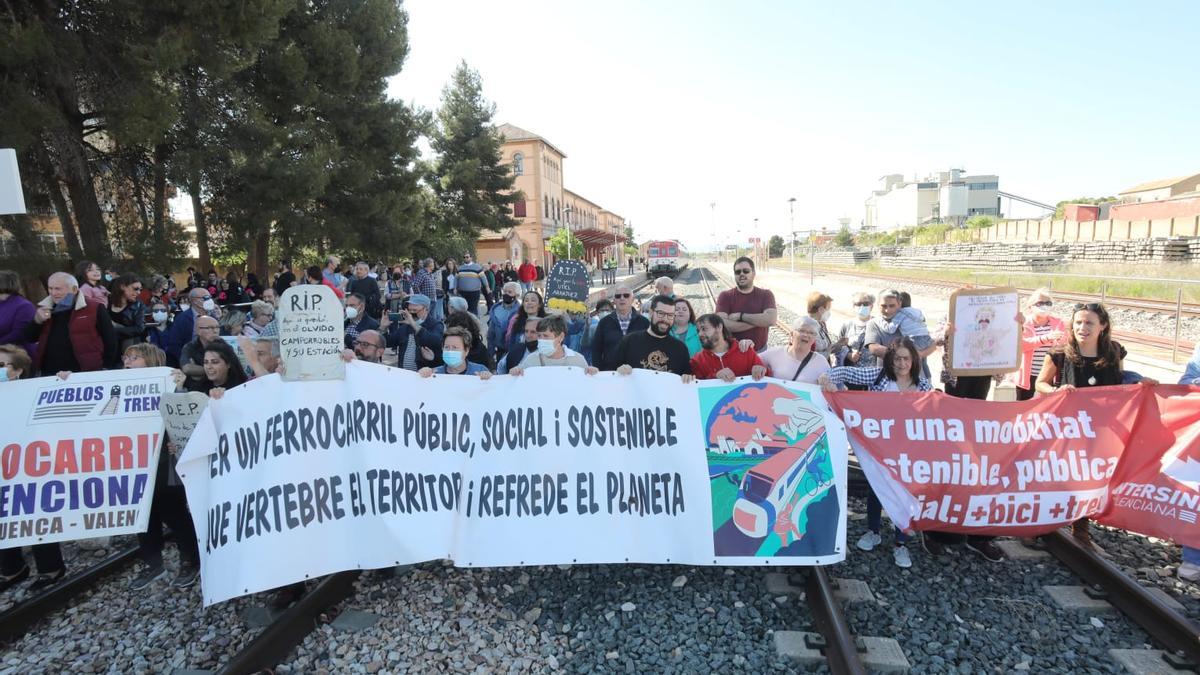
(802, 364)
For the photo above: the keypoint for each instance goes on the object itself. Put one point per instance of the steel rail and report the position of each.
(290, 628)
(1164, 624)
(839, 646)
(17, 620)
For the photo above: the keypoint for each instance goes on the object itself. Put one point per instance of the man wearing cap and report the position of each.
(416, 335)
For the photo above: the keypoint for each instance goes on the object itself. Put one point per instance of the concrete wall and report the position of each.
(1100, 230)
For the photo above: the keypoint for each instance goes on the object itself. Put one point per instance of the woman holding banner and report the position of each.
(1042, 332)
(168, 505)
(222, 370)
(900, 372)
(15, 364)
(1088, 358)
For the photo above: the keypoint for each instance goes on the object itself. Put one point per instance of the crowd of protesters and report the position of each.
(466, 318)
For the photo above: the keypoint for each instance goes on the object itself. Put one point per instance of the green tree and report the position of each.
(1058, 208)
(558, 245)
(473, 187)
(632, 242)
(980, 222)
(315, 155)
(844, 238)
(775, 246)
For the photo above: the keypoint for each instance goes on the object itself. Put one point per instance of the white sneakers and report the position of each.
(1187, 571)
(869, 540)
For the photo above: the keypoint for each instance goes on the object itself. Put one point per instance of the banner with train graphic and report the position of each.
(384, 468)
(79, 456)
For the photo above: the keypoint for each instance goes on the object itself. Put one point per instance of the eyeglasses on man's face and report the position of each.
(622, 295)
(664, 315)
(1043, 303)
(743, 271)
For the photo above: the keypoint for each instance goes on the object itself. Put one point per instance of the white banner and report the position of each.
(294, 480)
(80, 455)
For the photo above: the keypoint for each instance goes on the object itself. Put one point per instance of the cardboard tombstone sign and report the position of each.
(311, 333)
(567, 286)
(987, 336)
(180, 412)
(12, 200)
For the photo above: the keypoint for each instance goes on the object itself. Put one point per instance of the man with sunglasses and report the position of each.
(612, 329)
(748, 312)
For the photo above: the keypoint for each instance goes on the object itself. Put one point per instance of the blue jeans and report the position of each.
(875, 517)
(1191, 555)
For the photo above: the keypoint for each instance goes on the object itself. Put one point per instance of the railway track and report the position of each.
(838, 644)
(1187, 310)
(1170, 628)
(25, 615)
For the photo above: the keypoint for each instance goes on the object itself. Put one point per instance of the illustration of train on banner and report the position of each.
(771, 474)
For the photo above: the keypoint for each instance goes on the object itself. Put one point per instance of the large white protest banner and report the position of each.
(293, 480)
(79, 455)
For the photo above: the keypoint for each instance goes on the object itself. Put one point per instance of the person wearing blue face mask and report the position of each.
(455, 344)
(550, 351)
(74, 334)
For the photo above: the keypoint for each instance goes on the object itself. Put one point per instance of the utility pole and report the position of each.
(792, 228)
(567, 218)
(713, 208)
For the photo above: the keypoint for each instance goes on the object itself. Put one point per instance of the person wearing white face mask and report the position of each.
(357, 319)
(820, 309)
(550, 351)
(183, 328)
(854, 332)
(1042, 332)
(455, 344)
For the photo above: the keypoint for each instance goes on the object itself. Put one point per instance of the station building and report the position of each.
(548, 207)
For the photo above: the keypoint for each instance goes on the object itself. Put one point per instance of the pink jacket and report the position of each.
(1030, 342)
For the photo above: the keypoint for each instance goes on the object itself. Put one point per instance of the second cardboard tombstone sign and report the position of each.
(311, 333)
(567, 286)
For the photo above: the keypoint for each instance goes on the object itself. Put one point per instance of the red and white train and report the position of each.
(663, 258)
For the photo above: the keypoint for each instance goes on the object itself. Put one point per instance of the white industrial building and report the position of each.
(948, 196)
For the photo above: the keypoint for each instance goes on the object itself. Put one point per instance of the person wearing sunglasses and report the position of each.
(612, 329)
(1042, 333)
(748, 312)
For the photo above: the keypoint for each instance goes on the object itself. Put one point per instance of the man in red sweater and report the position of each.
(527, 274)
(720, 357)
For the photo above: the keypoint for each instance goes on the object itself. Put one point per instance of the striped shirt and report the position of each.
(1039, 354)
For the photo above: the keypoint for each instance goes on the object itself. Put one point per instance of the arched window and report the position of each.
(518, 164)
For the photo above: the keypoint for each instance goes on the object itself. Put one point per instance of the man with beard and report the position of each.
(654, 348)
(720, 358)
(749, 312)
(417, 336)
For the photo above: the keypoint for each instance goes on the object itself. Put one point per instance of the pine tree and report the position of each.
(473, 188)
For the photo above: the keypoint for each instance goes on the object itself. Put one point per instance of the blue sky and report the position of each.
(665, 107)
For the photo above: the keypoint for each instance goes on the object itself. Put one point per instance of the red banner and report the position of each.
(1126, 456)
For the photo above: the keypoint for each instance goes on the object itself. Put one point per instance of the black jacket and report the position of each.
(608, 336)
